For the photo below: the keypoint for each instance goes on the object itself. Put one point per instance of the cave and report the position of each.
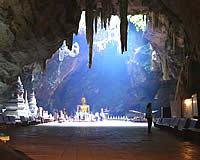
(115, 55)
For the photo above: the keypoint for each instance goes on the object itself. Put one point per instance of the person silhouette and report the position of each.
(149, 116)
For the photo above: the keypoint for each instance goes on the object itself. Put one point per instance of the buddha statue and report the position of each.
(83, 109)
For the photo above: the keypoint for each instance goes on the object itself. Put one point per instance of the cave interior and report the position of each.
(32, 35)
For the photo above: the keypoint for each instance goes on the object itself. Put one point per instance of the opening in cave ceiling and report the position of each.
(118, 81)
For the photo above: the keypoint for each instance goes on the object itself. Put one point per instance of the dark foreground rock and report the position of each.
(8, 153)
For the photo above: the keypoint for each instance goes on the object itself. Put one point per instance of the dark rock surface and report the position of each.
(31, 31)
(8, 153)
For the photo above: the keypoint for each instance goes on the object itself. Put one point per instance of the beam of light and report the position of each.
(110, 123)
(109, 67)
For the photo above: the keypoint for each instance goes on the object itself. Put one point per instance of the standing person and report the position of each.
(149, 116)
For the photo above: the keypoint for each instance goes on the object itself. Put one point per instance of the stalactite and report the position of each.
(159, 20)
(187, 47)
(147, 21)
(152, 20)
(102, 18)
(170, 36)
(69, 41)
(95, 21)
(109, 20)
(174, 42)
(98, 13)
(94, 10)
(89, 18)
(104, 24)
(156, 20)
(106, 13)
(90, 53)
(123, 24)
(103, 9)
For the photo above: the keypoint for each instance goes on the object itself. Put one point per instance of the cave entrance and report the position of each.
(116, 82)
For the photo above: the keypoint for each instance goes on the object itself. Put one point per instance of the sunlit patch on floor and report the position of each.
(96, 124)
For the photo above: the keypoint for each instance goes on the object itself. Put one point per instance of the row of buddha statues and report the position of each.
(24, 104)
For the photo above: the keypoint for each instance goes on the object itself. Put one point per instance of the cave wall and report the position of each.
(188, 13)
(188, 76)
(174, 35)
(31, 31)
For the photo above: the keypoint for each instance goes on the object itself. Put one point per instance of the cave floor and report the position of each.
(101, 143)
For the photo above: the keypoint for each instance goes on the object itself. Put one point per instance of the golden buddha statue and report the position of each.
(84, 108)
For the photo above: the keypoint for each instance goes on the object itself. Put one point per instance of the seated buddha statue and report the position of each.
(84, 108)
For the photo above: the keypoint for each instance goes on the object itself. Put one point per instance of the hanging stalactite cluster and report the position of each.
(103, 9)
(76, 18)
(173, 48)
